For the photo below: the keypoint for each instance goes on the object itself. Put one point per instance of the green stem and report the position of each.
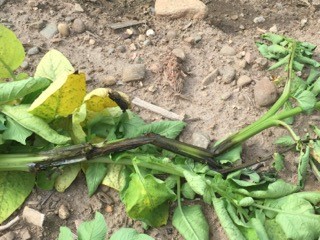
(295, 137)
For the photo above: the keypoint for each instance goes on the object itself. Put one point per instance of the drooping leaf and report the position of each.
(2, 122)
(169, 129)
(115, 177)
(274, 230)
(285, 141)
(130, 125)
(93, 230)
(65, 234)
(129, 234)
(196, 182)
(278, 163)
(306, 100)
(61, 98)
(14, 189)
(35, 124)
(17, 89)
(303, 166)
(231, 156)
(11, 52)
(146, 199)
(78, 117)
(16, 132)
(94, 176)
(68, 175)
(187, 191)
(52, 65)
(191, 222)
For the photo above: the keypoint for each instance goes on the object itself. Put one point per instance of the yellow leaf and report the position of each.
(102, 98)
(61, 98)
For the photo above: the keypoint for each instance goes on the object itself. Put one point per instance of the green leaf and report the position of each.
(11, 52)
(53, 64)
(45, 179)
(191, 222)
(65, 234)
(169, 129)
(68, 175)
(231, 156)
(17, 89)
(94, 176)
(306, 100)
(129, 234)
(296, 215)
(258, 226)
(78, 117)
(2, 121)
(187, 191)
(147, 198)
(226, 222)
(93, 230)
(272, 37)
(274, 230)
(130, 125)
(16, 132)
(278, 163)
(35, 124)
(285, 141)
(14, 189)
(196, 182)
(116, 176)
(303, 166)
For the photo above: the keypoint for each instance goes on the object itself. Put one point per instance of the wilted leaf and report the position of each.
(278, 163)
(303, 166)
(11, 52)
(52, 65)
(35, 124)
(78, 117)
(306, 100)
(94, 176)
(187, 191)
(68, 175)
(115, 176)
(14, 189)
(93, 230)
(146, 199)
(61, 98)
(191, 222)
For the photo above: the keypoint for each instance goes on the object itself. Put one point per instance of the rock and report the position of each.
(133, 72)
(78, 8)
(181, 8)
(248, 57)
(33, 216)
(130, 31)
(189, 40)
(33, 51)
(265, 92)
(227, 50)
(197, 38)
(200, 139)
(243, 81)
(303, 22)
(92, 41)
(25, 234)
(63, 212)
(38, 25)
(8, 236)
(226, 96)
(141, 37)
(24, 65)
(171, 34)
(242, 64)
(274, 29)
(109, 209)
(109, 80)
(210, 77)
(121, 48)
(179, 53)
(150, 33)
(78, 26)
(2, 2)
(132, 47)
(147, 43)
(49, 31)
(64, 29)
(259, 19)
(228, 73)
(262, 62)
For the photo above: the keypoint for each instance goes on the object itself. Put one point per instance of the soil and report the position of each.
(217, 109)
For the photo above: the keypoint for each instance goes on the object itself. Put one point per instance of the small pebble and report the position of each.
(242, 27)
(200, 139)
(248, 57)
(78, 8)
(274, 29)
(197, 38)
(189, 40)
(109, 209)
(64, 29)
(147, 43)
(179, 53)
(24, 65)
(109, 80)
(303, 22)
(132, 47)
(228, 74)
(265, 92)
(8, 236)
(92, 41)
(150, 33)
(78, 26)
(259, 19)
(227, 50)
(25, 234)
(152, 89)
(33, 216)
(49, 31)
(226, 96)
(133, 72)
(244, 80)
(171, 34)
(141, 37)
(63, 212)
(129, 31)
(234, 17)
(33, 51)
(242, 64)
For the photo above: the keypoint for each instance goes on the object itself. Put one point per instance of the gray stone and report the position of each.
(200, 139)
(78, 8)
(33, 216)
(49, 31)
(210, 77)
(227, 50)
(24, 65)
(150, 33)
(78, 26)
(147, 43)
(64, 29)
(133, 72)
(8, 236)
(179, 53)
(197, 38)
(259, 19)
(228, 73)
(63, 212)
(33, 51)
(244, 80)
(25, 234)
(265, 92)
(109, 81)
(181, 8)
